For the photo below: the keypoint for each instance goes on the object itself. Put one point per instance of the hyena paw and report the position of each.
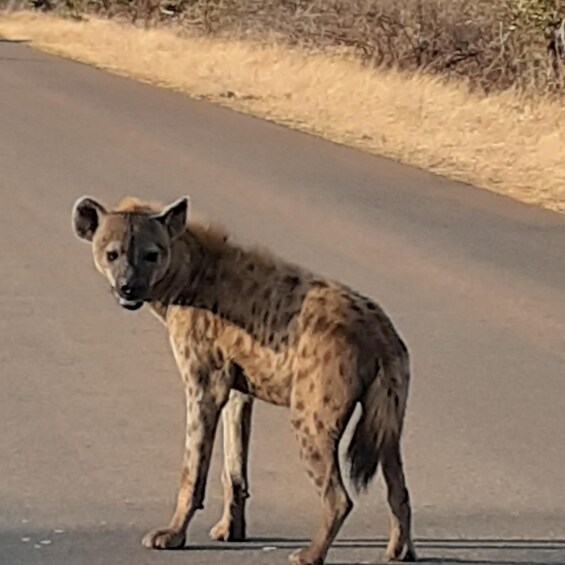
(221, 531)
(226, 530)
(164, 539)
(305, 557)
(406, 554)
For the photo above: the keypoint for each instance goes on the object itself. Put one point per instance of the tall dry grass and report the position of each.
(492, 44)
(504, 141)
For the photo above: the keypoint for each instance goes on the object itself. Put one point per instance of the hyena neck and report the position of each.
(190, 266)
(203, 272)
(252, 290)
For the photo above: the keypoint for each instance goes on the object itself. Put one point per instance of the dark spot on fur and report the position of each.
(301, 375)
(307, 321)
(321, 325)
(343, 370)
(377, 367)
(253, 288)
(319, 482)
(339, 330)
(201, 376)
(326, 399)
(218, 358)
(299, 405)
(291, 282)
(296, 423)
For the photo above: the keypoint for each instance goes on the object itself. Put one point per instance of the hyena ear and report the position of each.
(87, 214)
(175, 217)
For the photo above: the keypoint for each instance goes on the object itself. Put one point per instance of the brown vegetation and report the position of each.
(511, 141)
(494, 44)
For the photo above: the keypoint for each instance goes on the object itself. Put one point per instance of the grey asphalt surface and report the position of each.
(91, 408)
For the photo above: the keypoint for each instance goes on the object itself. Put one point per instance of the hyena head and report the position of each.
(131, 247)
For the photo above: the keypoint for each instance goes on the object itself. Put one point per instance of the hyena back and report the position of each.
(244, 324)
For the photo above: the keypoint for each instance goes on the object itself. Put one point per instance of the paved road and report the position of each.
(91, 408)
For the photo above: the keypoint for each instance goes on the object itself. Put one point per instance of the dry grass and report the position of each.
(503, 142)
(491, 44)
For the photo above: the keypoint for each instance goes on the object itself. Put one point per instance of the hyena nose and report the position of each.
(125, 289)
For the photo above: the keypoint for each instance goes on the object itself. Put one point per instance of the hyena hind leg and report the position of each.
(236, 421)
(400, 546)
(318, 435)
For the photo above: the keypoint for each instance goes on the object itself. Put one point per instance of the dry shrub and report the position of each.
(507, 142)
(492, 44)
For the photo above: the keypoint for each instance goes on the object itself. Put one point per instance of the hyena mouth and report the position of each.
(126, 303)
(130, 304)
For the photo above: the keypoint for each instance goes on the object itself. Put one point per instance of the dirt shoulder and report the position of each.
(503, 142)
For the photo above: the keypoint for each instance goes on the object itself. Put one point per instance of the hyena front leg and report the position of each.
(236, 420)
(206, 393)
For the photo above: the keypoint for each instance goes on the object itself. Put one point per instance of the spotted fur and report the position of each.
(244, 324)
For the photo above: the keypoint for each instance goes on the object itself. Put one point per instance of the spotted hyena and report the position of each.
(244, 324)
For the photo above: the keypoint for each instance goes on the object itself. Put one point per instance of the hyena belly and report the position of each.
(262, 372)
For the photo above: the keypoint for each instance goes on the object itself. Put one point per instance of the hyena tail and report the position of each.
(380, 425)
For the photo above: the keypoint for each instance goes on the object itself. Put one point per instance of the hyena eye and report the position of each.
(111, 256)
(151, 256)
